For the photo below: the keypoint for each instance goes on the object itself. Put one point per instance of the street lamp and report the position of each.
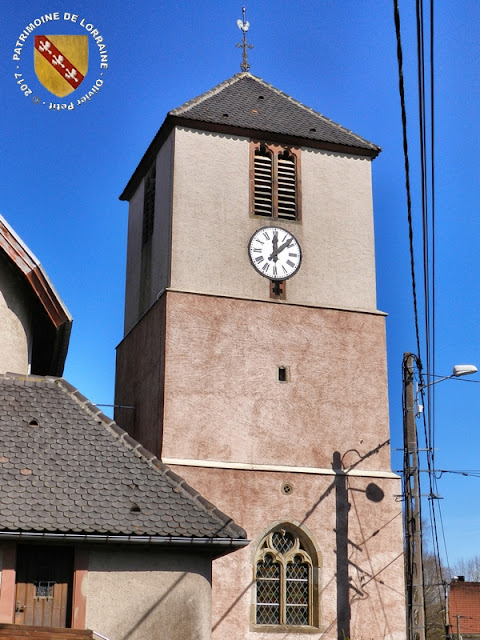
(461, 370)
(411, 481)
(457, 371)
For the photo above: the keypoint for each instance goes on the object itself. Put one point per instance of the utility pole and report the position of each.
(413, 523)
(458, 624)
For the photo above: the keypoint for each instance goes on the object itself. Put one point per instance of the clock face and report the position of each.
(274, 253)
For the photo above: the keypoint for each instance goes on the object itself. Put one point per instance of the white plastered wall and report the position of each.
(148, 595)
(160, 240)
(211, 224)
(15, 324)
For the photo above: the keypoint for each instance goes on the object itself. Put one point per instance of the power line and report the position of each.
(401, 89)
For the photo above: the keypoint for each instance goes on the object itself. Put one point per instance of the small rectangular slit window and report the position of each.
(283, 374)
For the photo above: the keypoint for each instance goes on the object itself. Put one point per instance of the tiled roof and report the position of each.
(247, 105)
(249, 102)
(66, 467)
(464, 600)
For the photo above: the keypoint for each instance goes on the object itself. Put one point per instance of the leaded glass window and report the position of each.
(297, 589)
(268, 590)
(283, 580)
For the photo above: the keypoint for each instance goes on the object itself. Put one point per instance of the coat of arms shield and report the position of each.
(61, 62)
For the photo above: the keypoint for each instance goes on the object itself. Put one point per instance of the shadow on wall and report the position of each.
(348, 590)
(152, 609)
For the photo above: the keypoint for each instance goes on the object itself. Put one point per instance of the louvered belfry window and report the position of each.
(275, 182)
(283, 581)
(148, 223)
(263, 188)
(287, 192)
(148, 205)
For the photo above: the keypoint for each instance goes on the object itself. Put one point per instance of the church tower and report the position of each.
(254, 358)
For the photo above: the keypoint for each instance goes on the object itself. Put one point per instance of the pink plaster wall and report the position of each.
(371, 538)
(139, 379)
(223, 401)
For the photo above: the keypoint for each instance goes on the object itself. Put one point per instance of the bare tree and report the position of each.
(434, 583)
(468, 567)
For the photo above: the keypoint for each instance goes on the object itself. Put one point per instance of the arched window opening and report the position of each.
(263, 188)
(287, 190)
(275, 181)
(285, 579)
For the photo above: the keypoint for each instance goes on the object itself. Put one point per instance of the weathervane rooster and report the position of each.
(243, 25)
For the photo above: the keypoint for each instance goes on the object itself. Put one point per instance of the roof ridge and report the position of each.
(312, 111)
(208, 94)
(29, 267)
(26, 260)
(148, 457)
(173, 505)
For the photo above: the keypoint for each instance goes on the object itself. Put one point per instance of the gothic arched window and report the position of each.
(286, 577)
(275, 180)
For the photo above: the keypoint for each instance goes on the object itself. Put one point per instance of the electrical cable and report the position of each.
(428, 244)
(401, 88)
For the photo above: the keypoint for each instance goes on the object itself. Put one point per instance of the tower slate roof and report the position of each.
(249, 102)
(65, 467)
(247, 105)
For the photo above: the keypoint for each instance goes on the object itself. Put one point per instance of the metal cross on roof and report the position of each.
(243, 26)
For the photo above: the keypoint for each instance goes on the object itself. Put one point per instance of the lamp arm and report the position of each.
(430, 384)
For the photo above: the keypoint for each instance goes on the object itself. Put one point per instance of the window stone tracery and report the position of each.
(285, 580)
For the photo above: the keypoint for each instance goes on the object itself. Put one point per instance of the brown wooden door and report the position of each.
(44, 586)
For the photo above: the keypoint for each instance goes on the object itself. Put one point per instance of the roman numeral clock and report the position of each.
(276, 254)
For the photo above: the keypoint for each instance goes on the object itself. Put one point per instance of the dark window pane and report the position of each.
(268, 591)
(297, 591)
(297, 615)
(268, 614)
(283, 541)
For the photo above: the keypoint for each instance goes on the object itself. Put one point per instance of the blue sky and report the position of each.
(61, 172)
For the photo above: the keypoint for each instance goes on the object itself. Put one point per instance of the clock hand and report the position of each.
(274, 255)
(286, 244)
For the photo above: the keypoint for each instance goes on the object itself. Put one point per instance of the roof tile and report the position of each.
(249, 102)
(78, 472)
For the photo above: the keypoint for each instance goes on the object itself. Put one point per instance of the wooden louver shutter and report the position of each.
(149, 206)
(287, 208)
(263, 195)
